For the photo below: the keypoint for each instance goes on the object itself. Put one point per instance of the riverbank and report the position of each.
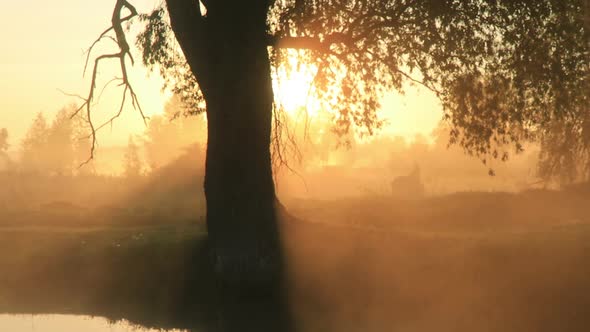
(468, 262)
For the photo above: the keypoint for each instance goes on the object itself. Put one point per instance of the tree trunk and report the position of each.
(238, 182)
(239, 188)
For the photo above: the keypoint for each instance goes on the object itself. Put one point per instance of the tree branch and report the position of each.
(309, 43)
(117, 21)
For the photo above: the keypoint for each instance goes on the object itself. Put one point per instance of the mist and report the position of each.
(162, 170)
(385, 226)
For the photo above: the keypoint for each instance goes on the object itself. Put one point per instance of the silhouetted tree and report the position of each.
(132, 161)
(168, 135)
(81, 146)
(34, 146)
(4, 160)
(565, 151)
(60, 144)
(4, 140)
(51, 149)
(503, 70)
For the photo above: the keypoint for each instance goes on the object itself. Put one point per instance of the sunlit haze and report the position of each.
(47, 57)
(334, 207)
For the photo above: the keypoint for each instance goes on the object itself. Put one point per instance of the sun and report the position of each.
(293, 88)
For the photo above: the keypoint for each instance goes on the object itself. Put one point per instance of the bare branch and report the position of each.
(71, 94)
(309, 43)
(133, 12)
(124, 51)
(89, 51)
(118, 114)
(106, 85)
(422, 83)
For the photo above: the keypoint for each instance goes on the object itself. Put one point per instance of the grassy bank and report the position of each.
(156, 276)
(466, 262)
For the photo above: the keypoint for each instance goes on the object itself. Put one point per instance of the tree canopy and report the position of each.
(505, 71)
(170, 134)
(56, 148)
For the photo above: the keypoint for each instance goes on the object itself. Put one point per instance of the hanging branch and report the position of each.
(120, 39)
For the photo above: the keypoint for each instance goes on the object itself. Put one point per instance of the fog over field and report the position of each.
(49, 168)
(385, 227)
(295, 166)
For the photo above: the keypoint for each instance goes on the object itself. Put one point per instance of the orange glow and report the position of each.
(48, 55)
(293, 87)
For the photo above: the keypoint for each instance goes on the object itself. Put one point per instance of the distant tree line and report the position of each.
(55, 148)
(169, 135)
(61, 146)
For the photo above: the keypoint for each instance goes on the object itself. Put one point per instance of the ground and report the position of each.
(463, 262)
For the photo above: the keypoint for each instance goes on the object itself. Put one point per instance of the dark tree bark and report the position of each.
(227, 52)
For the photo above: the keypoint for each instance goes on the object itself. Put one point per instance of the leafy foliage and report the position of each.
(161, 51)
(505, 71)
(60, 144)
(57, 148)
(33, 145)
(565, 151)
(169, 135)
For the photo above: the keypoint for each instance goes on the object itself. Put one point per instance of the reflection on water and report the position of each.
(68, 323)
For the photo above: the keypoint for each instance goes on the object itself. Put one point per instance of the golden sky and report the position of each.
(43, 45)
(43, 50)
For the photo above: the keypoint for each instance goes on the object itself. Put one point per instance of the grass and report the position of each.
(143, 274)
(464, 262)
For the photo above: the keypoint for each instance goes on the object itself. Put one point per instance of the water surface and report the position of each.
(68, 323)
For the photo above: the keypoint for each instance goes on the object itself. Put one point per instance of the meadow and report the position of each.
(471, 261)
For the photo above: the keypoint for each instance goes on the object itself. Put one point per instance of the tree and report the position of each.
(81, 146)
(565, 151)
(132, 160)
(168, 135)
(51, 149)
(34, 152)
(60, 144)
(4, 160)
(503, 71)
(4, 140)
